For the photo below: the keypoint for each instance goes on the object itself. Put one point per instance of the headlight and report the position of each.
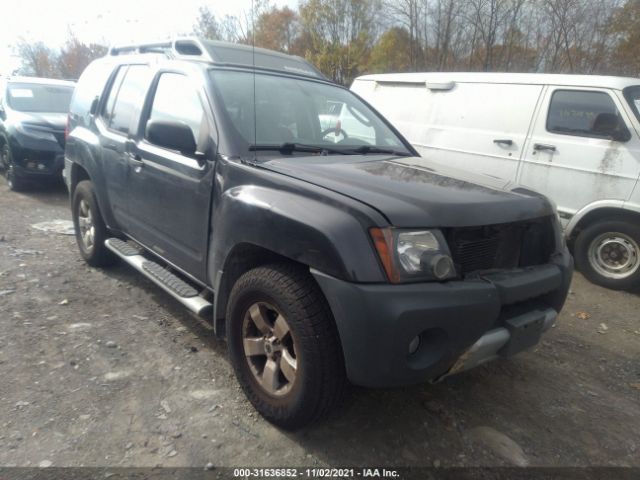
(35, 132)
(416, 255)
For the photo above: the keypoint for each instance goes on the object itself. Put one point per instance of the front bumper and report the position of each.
(460, 324)
(36, 159)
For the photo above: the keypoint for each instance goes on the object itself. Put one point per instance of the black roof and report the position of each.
(224, 53)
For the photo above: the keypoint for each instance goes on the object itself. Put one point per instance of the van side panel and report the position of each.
(474, 126)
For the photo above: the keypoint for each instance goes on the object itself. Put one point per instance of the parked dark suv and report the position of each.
(322, 255)
(33, 115)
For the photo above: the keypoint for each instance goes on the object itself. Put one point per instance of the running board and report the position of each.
(170, 283)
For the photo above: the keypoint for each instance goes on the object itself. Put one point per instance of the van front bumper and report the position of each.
(458, 324)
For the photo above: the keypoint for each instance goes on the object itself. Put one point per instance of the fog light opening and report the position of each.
(441, 266)
(414, 344)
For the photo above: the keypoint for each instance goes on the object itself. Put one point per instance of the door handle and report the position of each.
(503, 141)
(543, 146)
(135, 158)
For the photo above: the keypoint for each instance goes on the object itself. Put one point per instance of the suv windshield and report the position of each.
(33, 97)
(632, 94)
(301, 115)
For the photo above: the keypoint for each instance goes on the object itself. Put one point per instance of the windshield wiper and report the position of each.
(364, 149)
(289, 147)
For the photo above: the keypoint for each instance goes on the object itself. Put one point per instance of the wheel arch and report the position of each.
(605, 210)
(78, 174)
(242, 257)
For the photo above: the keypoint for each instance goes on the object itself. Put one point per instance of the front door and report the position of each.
(169, 193)
(582, 149)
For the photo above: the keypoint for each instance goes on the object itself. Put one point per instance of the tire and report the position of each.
(91, 232)
(14, 182)
(4, 154)
(285, 291)
(608, 254)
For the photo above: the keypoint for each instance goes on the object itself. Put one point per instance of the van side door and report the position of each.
(169, 192)
(478, 127)
(582, 149)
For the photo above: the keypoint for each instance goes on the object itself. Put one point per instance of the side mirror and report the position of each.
(172, 135)
(622, 135)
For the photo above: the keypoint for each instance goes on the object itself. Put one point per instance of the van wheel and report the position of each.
(90, 229)
(284, 345)
(608, 254)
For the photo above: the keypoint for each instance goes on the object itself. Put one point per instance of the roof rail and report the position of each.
(190, 47)
(223, 53)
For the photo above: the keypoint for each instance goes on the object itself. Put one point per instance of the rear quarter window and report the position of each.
(90, 86)
(129, 98)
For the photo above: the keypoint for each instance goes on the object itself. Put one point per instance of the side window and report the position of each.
(586, 114)
(107, 110)
(176, 100)
(90, 85)
(129, 99)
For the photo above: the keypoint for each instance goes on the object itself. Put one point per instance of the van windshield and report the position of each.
(33, 97)
(303, 113)
(632, 94)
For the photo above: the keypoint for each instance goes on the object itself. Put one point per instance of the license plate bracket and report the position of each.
(524, 330)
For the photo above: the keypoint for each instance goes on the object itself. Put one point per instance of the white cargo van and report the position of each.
(574, 138)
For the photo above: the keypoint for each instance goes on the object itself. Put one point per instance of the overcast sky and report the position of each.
(108, 22)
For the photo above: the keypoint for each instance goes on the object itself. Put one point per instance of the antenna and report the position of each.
(255, 104)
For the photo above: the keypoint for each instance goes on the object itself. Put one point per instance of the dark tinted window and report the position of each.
(107, 110)
(588, 114)
(130, 98)
(32, 97)
(176, 100)
(91, 84)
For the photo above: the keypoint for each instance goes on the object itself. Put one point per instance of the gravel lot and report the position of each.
(101, 368)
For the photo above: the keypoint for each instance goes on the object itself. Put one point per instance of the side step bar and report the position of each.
(170, 283)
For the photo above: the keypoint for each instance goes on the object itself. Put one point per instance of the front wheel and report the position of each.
(14, 181)
(284, 345)
(608, 254)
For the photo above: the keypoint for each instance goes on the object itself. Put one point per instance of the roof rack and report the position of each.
(177, 48)
(223, 53)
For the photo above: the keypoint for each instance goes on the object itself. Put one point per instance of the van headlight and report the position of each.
(413, 255)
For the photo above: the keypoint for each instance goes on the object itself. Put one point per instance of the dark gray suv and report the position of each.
(326, 252)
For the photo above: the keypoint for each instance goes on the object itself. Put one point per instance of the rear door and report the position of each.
(169, 193)
(570, 159)
(116, 123)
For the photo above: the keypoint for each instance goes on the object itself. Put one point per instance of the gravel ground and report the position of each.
(101, 368)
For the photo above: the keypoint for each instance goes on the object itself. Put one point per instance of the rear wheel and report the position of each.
(91, 232)
(284, 346)
(608, 254)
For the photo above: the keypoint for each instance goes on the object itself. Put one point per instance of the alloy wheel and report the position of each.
(85, 222)
(269, 348)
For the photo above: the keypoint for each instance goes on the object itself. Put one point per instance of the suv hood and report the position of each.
(413, 192)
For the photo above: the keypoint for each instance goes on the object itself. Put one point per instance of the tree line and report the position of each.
(347, 38)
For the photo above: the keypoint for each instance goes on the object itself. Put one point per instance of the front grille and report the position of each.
(477, 254)
(502, 246)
